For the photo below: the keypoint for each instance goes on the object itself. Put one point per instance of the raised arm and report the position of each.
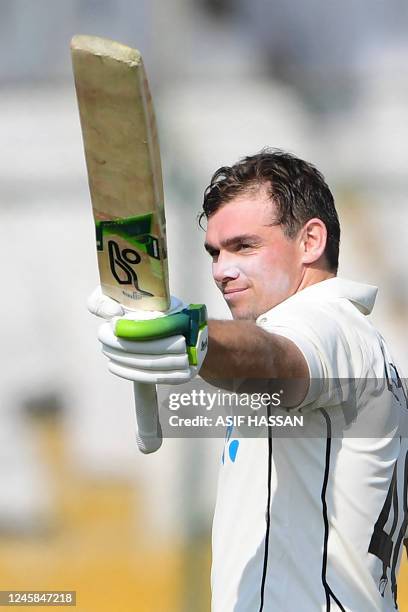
(241, 349)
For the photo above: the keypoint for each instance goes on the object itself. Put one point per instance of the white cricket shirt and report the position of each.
(316, 522)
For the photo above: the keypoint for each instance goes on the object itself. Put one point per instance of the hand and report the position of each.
(158, 361)
(167, 350)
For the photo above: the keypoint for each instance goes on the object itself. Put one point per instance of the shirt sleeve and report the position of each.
(321, 337)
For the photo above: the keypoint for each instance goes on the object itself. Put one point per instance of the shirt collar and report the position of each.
(361, 295)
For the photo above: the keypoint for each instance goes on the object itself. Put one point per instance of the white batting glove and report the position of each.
(103, 306)
(169, 349)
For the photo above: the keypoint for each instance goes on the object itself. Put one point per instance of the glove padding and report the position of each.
(156, 360)
(162, 360)
(103, 306)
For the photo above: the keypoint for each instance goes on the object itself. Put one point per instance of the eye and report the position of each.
(244, 246)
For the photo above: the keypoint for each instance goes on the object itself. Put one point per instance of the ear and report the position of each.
(313, 240)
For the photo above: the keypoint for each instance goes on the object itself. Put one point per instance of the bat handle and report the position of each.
(149, 434)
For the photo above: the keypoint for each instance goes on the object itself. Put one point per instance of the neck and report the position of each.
(313, 276)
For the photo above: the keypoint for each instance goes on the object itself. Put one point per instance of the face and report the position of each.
(255, 265)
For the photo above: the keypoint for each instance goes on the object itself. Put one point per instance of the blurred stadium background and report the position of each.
(80, 508)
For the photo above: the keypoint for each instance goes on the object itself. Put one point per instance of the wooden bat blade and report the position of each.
(124, 171)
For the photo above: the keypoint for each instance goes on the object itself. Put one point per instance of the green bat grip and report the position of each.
(153, 328)
(187, 323)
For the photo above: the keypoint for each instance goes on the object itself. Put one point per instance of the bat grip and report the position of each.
(149, 434)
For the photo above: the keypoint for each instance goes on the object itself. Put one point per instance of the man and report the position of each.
(314, 521)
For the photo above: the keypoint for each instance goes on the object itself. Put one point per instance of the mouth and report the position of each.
(230, 293)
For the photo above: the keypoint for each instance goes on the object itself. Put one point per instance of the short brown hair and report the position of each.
(297, 188)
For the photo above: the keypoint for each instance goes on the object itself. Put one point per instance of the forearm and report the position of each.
(241, 349)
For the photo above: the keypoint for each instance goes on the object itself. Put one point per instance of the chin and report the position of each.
(242, 314)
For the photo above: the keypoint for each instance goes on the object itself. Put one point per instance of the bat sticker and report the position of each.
(124, 261)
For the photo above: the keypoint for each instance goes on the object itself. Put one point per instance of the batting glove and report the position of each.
(166, 349)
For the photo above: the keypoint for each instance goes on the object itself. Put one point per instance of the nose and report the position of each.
(224, 270)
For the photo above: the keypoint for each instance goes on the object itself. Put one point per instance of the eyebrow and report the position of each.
(229, 242)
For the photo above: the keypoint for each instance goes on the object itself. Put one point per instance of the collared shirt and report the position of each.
(314, 519)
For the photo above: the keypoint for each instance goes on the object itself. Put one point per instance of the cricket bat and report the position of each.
(125, 181)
